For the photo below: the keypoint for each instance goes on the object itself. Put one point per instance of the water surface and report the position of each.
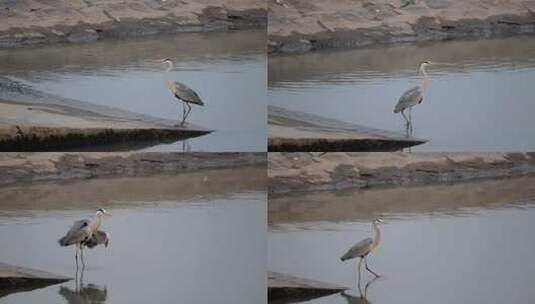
(472, 248)
(191, 239)
(228, 70)
(479, 99)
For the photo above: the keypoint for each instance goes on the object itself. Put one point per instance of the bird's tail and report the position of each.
(344, 258)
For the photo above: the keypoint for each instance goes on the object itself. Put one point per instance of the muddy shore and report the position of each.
(303, 172)
(297, 26)
(18, 279)
(32, 120)
(36, 167)
(32, 22)
(291, 131)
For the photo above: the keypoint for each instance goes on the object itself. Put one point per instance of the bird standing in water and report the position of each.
(364, 247)
(413, 96)
(86, 233)
(181, 91)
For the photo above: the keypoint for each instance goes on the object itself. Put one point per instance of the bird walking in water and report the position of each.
(413, 97)
(86, 233)
(182, 92)
(363, 248)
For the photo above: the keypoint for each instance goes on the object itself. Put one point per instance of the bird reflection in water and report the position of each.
(186, 147)
(83, 293)
(362, 297)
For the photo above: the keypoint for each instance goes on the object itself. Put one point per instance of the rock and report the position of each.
(83, 35)
(299, 46)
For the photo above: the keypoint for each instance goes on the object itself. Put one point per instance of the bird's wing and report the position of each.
(98, 237)
(78, 232)
(185, 93)
(359, 249)
(411, 97)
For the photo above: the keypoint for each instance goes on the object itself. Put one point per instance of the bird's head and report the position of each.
(101, 211)
(378, 221)
(425, 63)
(167, 60)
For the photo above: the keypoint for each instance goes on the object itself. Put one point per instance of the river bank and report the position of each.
(31, 22)
(34, 167)
(304, 172)
(297, 26)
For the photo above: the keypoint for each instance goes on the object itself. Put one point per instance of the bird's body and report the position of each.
(413, 96)
(182, 92)
(99, 237)
(410, 98)
(185, 94)
(85, 233)
(364, 247)
(360, 249)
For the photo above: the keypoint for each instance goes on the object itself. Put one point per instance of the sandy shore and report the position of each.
(301, 25)
(303, 172)
(33, 22)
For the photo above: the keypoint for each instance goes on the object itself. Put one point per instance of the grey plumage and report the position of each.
(364, 247)
(85, 233)
(99, 237)
(361, 249)
(80, 231)
(182, 92)
(186, 94)
(410, 98)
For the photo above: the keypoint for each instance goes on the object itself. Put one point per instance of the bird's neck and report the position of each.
(377, 237)
(98, 220)
(425, 80)
(168, 81)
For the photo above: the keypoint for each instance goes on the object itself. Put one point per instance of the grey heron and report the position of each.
(181, 91)
(364, 247)
(413, 96)
(84, 232)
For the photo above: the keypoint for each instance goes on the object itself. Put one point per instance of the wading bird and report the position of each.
(413, 96)
(364, 247)
(181, 91)
(84, 233)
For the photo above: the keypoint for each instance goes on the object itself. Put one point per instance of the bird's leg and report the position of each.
(183, 113)
(406, 119)
(76, 278)
(76, 255)
(82, 256)
(358, 270)
(410, 120)
(189, 110)
(367, 268)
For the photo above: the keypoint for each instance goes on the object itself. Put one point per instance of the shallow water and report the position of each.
(228, 70)
(167, 245)
(475, 249)
(479, 99)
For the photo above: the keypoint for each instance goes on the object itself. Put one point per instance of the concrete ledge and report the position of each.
(32, 167)
(37, 138)
(291, 131)
(299, 26)
(287, 289)
(303, 172)
(32, 22)
(31, 120)
(15, 279)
